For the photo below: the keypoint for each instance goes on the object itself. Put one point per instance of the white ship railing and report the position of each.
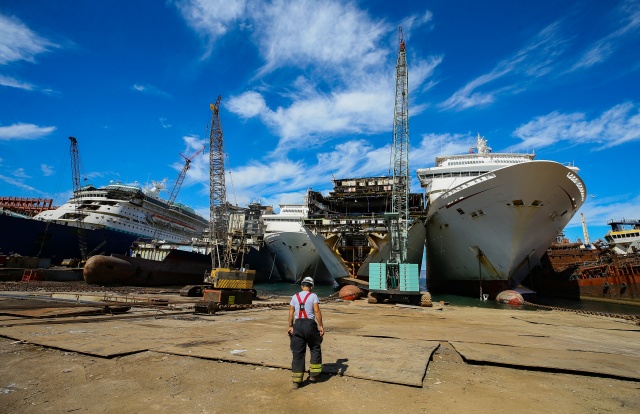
(468, 184)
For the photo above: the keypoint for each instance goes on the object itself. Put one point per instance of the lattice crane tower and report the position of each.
(401, 177)
(219, 218)
(75, 176)
(183, 173)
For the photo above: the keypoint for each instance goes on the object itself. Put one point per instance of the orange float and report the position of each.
(510, 297)
(350, 292)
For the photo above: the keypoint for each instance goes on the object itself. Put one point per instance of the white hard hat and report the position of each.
(307, 280)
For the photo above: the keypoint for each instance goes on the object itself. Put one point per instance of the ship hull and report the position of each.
(488, 233)
(179, 268)
(295, 257)
(35, 238)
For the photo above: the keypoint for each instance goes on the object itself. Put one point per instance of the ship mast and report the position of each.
(400, 193)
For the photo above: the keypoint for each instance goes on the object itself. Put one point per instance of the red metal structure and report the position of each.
(27, 206)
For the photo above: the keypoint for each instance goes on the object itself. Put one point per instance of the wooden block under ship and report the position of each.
(349, 230)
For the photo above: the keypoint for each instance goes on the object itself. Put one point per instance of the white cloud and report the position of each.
(47, 170)
(18, 183)
(616, 126)
(211, 18)
(248, 105)
(323, 33)
(164, 123)
(317, 44)
(15, 83)
(23, 131)
(533, 61)
(597, 211)
(414, 21)
(150, 90)
(18, 42)
(20, 173)
(605, 47)
(313, 117)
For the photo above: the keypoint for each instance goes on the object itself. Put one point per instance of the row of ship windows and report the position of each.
(624, 236)
(281, 220)
(499, 161)
(451, 174)
(535, 203)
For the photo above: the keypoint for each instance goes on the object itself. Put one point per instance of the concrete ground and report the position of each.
(69, 357)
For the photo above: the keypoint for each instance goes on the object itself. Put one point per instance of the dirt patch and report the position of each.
(35, 379)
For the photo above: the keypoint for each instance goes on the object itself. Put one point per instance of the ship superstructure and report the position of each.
(624, 236)
(491, 216)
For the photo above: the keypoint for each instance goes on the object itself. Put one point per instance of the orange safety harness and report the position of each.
(302, 313)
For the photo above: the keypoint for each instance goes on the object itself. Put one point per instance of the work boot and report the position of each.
(295, 385)
(313, 378)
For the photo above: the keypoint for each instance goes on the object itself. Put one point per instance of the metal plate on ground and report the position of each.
(372, 358)
(104, 339)
(57, 312)
(581, 320)
(620, 366)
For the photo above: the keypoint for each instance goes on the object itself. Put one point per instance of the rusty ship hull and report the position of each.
(578, 273)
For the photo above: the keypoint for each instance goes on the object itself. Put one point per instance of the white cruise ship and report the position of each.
(130, 210)
(293, 253)
(491, 216)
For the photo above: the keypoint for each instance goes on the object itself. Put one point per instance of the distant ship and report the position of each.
(112, 217)
(491, 217)
(129, 209)
(294, 255)
(624, 236)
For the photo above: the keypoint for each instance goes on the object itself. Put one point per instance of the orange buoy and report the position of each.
(510, 297)
(350, 292)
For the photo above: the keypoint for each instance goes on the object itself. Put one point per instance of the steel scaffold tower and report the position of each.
(219, 217)
(400, 194)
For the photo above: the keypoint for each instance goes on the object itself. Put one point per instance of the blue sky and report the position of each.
(308, 89)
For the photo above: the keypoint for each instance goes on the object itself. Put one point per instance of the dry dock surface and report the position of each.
(70, 357)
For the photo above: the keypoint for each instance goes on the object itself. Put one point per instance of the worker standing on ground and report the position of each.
(305, 329)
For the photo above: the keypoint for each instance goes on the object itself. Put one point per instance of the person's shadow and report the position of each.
(333, 368)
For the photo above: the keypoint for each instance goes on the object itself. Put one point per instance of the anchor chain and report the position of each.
(635, 318)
